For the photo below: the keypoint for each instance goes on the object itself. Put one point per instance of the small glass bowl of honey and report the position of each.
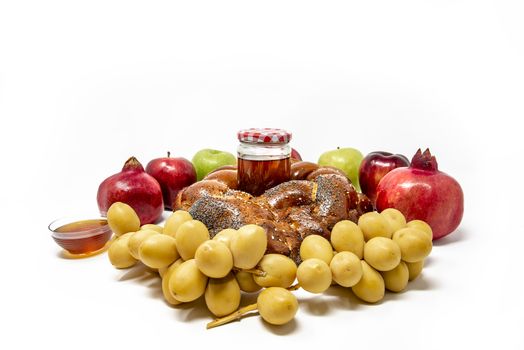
(79, 236)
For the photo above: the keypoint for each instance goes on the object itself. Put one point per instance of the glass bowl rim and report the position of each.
(77, 234)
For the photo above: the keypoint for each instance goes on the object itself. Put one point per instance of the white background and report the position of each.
(85, 85)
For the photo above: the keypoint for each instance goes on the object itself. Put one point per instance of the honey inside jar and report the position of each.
(82, 236)
(263, 159)
(257, 176)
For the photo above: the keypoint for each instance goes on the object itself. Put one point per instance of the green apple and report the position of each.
(207, 160)
(346, 159)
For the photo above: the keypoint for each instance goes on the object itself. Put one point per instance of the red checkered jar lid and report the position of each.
(264, 135)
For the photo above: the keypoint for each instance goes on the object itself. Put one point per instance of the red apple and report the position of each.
(373, 168)
(173, 174)
(295, 154)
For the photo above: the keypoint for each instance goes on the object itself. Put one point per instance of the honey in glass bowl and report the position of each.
(79, 236)
(263, 159)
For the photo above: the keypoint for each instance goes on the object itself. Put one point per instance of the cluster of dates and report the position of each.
(381, 252)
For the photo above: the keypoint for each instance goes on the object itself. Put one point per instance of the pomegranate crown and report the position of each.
(424, 161)
(132, 164)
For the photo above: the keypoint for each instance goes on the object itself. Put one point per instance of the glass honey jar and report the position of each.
(263, 159)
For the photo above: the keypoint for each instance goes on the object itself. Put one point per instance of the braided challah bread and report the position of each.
(312, 203)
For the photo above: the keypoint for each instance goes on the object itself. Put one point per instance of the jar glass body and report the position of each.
(262, 166)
